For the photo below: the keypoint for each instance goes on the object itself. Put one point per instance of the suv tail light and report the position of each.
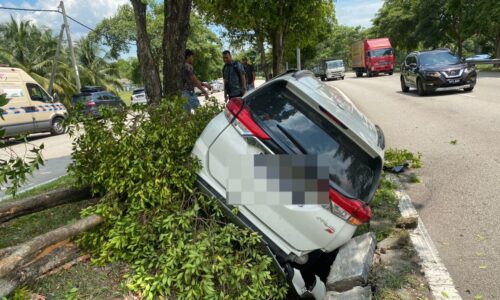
(90, 104)
(354, 211)
(243, 121)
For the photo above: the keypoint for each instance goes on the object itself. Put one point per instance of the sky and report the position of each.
(91, 12)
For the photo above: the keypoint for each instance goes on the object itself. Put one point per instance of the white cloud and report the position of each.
(357, 12)
(89, 12)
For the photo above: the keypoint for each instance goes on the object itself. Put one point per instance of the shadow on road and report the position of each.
(413, 93)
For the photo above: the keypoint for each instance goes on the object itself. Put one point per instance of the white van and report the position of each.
(30, 108)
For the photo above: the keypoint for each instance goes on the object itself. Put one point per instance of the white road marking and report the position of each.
(466, 95)
(437, 275)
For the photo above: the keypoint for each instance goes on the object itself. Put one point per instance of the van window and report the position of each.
(12, 92)
(36, 92)
(352, 170)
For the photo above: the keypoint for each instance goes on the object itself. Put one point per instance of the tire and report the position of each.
(469, 89)
(322, 78)
(359, 74)
(404, 88)
(57, 128)
(390, 73)
(369, 73)
(420, 87)
(342, 77)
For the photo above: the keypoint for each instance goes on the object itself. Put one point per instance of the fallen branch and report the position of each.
(25, 252)
(14, 209)
(32, 271)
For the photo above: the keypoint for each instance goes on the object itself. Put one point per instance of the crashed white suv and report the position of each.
(295, 113)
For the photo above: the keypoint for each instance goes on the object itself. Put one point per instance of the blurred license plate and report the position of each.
(453, 81)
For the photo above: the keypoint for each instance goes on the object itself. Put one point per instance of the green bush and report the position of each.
(175, 239)
(396, 157)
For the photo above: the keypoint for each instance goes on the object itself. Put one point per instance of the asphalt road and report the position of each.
(56, 154)
(459, 197)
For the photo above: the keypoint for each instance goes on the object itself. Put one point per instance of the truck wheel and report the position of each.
(322, 78)
(420, 87)
(390, 73)
(369, 73)
(404, 88)
(57, 126)
(342, 77)
(359, 74)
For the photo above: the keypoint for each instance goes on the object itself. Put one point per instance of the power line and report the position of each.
(29, 9)
(57, 11)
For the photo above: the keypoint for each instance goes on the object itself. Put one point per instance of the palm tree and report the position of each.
(94, 66)
(25, 46)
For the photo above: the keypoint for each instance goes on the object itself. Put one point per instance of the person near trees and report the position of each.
(249, 74)
(234, 77)
(190, 81)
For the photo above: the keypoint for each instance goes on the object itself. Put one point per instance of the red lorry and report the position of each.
(372, 56)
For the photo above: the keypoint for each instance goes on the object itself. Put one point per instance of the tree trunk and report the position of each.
(149, 69)
(262, 51)
(32, 271)
(11, 210)
(278, 51)
(21, 254)
(175, 35)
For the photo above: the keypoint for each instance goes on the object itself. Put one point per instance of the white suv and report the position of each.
(138, 97)
(295, 113)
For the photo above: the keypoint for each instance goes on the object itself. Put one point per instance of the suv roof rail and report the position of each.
(286, 72)
(302, 73)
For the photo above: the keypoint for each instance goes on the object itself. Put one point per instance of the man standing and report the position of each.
(249, 74)
(189, 81)
(234, 77)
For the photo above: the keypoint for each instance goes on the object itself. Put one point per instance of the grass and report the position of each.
(397, 157)
(487, 68)
(63, 181)
(125, 97)
(83, 281)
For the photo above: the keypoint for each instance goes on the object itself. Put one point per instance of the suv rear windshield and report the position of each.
(139, 91)
(287, 118)
(438, 58)
(81, 98)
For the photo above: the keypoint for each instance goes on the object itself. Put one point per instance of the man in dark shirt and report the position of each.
(234, 77)
(249, 74)
(189, 81)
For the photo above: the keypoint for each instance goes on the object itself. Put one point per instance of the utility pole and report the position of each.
(70, 44)
(56, 60)
(298, 59)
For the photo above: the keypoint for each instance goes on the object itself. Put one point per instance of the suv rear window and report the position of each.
(352, 171)
(139, 91)
(81, 98)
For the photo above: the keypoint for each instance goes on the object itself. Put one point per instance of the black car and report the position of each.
(436, 70)
(94, 97)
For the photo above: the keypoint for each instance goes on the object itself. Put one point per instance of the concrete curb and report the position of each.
(440, 282)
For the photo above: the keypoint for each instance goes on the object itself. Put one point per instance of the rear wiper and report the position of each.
(292, 139)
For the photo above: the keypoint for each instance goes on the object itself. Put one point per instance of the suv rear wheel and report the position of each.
(420, 87)
(404, 88)
(57, 126)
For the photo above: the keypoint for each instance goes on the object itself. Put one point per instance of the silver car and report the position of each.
(138, 97)
(295, 113)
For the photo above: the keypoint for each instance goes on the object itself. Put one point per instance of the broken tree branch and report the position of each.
(26, 251)
(32, 271)
(11, 210)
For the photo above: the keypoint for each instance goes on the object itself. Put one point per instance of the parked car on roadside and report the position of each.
(295, 113)
(30, 109)
(435, 71)
(138, 97)
(92, 98)
(478, 57)
(217, 86)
